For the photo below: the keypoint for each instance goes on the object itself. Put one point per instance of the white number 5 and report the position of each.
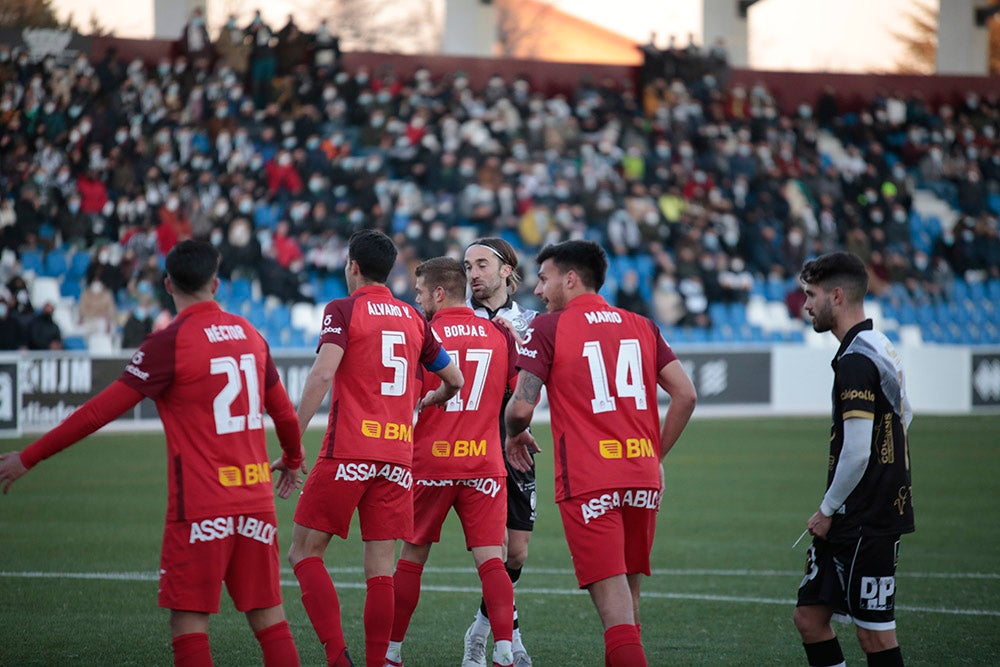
(390, 339)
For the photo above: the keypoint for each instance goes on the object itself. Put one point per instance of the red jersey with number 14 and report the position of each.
(600, 366)
(208, 373)
(375, 389)
(461, 440)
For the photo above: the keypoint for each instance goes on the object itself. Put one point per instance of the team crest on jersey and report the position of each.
(138, 357)
(520, 325)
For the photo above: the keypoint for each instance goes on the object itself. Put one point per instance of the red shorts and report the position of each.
(481, 505)
(381, 492)
(610, 532)
(240, 550)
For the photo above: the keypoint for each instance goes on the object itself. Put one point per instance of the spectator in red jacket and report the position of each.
(282, 175)
(286, 248)
(174, 224)
(93, 193)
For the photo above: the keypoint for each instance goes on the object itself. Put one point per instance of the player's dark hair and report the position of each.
(191, 265)
(838, 269)
(444, 272)
(505, 253)
(374, 252)
(585, 258)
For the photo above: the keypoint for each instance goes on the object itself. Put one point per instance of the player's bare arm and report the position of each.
(11, 469)
(520, 444)
(318, 382)
(683, 397)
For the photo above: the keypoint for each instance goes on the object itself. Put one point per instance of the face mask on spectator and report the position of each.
(315, 184)
(245, 206)
(73, 206)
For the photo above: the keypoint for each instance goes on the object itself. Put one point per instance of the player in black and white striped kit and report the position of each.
(491, 269)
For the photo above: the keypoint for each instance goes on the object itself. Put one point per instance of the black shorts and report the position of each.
(857, 579)
(521, 498)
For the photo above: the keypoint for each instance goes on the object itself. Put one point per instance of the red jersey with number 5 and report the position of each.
(461, 440)
(375, 389)
(600, 366)
(208, 373)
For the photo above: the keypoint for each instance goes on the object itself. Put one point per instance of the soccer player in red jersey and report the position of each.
(601, 366)
(370, 347)
(457, 456)
(210, 374)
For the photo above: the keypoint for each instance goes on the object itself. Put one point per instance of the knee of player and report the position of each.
(875, 641)
(808, 623)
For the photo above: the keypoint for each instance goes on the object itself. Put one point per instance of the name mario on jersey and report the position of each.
(598, 506)
(603, 317)
(222, 527)
(362, 472)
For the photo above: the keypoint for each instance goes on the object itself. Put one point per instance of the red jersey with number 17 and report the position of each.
(375, 389)
(461, 440)
(600, 366)
(208, 373)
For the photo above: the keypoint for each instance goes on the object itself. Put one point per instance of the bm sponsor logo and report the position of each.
(633, 448)
(458, 449)
(386, 431)
(248, 475)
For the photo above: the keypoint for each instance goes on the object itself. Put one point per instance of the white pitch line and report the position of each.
(291, 583)
(350, 569)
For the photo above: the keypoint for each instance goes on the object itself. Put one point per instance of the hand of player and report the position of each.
(510, 327)
(289, 479)
(520, 449)
(431, 398)
(11, 469)
(819, 525)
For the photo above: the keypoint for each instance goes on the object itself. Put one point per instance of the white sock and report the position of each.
(395, 651)
(481, 626)
(518, 646)
(503, 654)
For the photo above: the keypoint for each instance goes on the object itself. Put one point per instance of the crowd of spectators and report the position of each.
(260, 143)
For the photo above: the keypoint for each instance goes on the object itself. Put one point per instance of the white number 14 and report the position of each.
(628, 375)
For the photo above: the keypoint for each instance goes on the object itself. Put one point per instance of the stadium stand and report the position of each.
(709, 193)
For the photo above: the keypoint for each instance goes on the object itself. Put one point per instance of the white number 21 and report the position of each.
(628, 375)
(225, 420)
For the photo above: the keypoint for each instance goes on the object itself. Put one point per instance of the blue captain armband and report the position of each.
(442, 360)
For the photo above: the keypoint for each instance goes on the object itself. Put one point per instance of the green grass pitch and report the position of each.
(79, 544)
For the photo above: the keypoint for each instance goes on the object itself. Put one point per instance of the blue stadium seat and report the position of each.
(78, 264)
(31, 260)
(737, 313)
(892, 335)
(74, 343)
(240, 289)
(959, 289)
(56, 264)
(993, 202)
(719, 313)
(71, 288)
(977, 291)
(280, 316)
(993, 289)
(906, 314)
(332, 287)
(775, 290)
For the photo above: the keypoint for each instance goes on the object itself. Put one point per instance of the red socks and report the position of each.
(407, 591)
(192, 650)
(498, 593)
(278, 647)
(622, 647)
(319, 597)
(379, 604)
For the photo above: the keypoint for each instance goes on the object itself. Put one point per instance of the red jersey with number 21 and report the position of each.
(208, 372)
(375, 389)
(600, 366)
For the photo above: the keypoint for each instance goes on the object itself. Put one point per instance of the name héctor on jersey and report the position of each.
(218, 333)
